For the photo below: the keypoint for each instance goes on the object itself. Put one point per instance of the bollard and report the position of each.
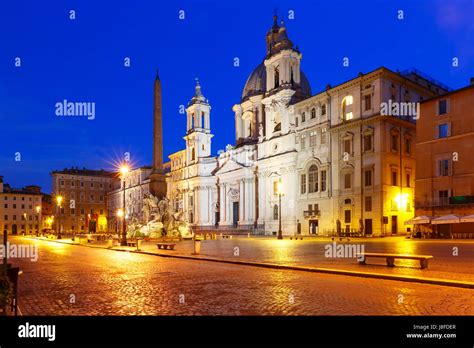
(110, 243)
(197, 247)
(139, 244)
(248, 235)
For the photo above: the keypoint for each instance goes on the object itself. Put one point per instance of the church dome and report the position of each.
(257, 82)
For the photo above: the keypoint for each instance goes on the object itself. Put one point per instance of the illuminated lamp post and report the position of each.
(59, 200)
(124, 169)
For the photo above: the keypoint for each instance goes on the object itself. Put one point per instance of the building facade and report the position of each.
(445, 171)
(84, 197)
(20, 209)
(344, 158)
(135, 187)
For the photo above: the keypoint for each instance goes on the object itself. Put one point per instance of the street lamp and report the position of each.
(280, 193)
(59, 199)
(124, 169)
(38, 208)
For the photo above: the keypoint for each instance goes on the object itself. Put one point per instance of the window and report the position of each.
(442, 107)
(296, 121)
(443, 130)
(313, 178)
(394, 142)
(6, 217)
(72, 183)
(92, 184)
(275, 212)
(443, 197)
(82, 211)
(193, 154)
(368, 178)
(312, 139)
(61, 182)
(394, 178)
(367, 102)
(303, 117)
(14, 206)
(73, 211)
(323, 135)
(92, 197)
(347, 146)
(303, 141)
(408, 180)
(82, 184)
(368, 142)
(313, 113)
(444, 167)
(6, 205)
(303, 184)
(275, 187)
(347, 181)
(323, 180)
(277, 77)
(368, 203)
(347, 216)
(323, 110)
(408, 146)
(22, 206)
(347, 108)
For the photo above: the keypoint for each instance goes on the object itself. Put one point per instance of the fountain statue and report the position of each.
(159, 220)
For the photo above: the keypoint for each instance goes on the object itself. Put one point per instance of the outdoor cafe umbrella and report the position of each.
(446, 219)
(422, 219)
(467, 218)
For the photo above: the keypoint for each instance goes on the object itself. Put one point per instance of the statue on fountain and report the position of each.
(161, 220)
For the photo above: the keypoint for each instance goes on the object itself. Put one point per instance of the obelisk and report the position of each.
(157, 178)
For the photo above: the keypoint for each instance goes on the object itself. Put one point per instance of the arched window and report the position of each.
(277, 77)
(313, 113)
(202, 120)
(347, 114)
(275, 212)
(313, 178)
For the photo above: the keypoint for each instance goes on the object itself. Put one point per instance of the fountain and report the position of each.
(159, 220)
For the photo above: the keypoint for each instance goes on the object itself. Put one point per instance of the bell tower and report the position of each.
(198, 127)
(282, 60)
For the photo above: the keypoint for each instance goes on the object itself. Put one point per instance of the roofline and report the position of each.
(462, 89)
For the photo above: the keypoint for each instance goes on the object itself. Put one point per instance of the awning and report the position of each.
(422, 219)
(468, 218)
(446, 219)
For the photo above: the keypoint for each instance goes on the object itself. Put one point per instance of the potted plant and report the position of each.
(6, 291)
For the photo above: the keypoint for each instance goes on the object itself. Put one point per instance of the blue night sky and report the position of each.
(83, 60)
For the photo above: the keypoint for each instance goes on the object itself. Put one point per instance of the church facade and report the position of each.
(335, 158)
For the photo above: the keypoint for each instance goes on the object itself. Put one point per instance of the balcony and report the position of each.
(311, 214)
(445, 201)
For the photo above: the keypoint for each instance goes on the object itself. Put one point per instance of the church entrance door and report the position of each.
(235, 213)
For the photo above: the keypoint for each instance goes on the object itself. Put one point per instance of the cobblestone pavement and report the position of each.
(74, 280)
(452, 259)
